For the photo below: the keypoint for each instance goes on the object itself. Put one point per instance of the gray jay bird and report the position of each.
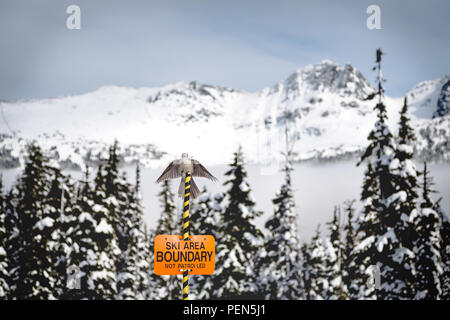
(179, 167)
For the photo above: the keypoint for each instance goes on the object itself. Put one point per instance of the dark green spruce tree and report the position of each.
(367, 226)
(445, 253)
(206, 216)
(58, 207)
(13, 242)
(125, 217)
(81, 241)
(134, 269)
(38, 278)
(350, 268)
(4, 277)
(139, 249)
(91, 257)
(333, 260)
(405, 174)
(206, 213)
(130, 224)
(444, 241)
(314, 268)
(278, 261)
(166, 287)
(103, 278)
(306, 271)
(169, 218)
(239, 239)
(115, 200)
(427, 244)
(393, 255)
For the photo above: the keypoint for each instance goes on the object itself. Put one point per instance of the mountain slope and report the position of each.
(323, 105)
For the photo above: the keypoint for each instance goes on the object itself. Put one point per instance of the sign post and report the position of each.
(185, 231)
(194, 254)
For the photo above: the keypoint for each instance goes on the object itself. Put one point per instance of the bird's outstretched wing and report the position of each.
(171, 172)
(200, 171)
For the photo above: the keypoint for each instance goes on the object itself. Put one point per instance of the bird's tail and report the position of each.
(195, 191)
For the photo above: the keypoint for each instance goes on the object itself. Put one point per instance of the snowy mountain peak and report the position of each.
(425, 96)
(326, 77)
(190, 101)
(323, 101)
(443, 103)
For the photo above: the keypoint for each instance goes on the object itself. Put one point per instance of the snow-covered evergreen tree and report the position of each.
(62, 199)
(103, 277)
(366, 229)
(130, 227)
(206, 213)
(166, 287)
(134, 271)
(153, 291)
(445, 253)
(239, 239)
(350, 268)
(167, 223)
(82, 248)
(140, 248)
(393, 256)
(206, 217)
(278, 261)
(427, 244)
(38, 278)
(4, 277)
(94, 245)
(142, 260)
(334, 248)
(314, 268)
(57, 206)
(405, 173)
(13, 242)
(116, 192)
(125, 216)
(306, 271)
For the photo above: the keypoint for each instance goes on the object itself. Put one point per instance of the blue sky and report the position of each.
(247, 45)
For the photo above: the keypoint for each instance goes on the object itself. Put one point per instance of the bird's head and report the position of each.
(184, 155)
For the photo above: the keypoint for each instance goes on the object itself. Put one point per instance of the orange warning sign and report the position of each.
(173, 255)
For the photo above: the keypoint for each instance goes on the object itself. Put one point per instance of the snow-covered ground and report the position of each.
(318, 188)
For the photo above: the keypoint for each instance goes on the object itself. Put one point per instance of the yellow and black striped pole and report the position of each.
(185, 231)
